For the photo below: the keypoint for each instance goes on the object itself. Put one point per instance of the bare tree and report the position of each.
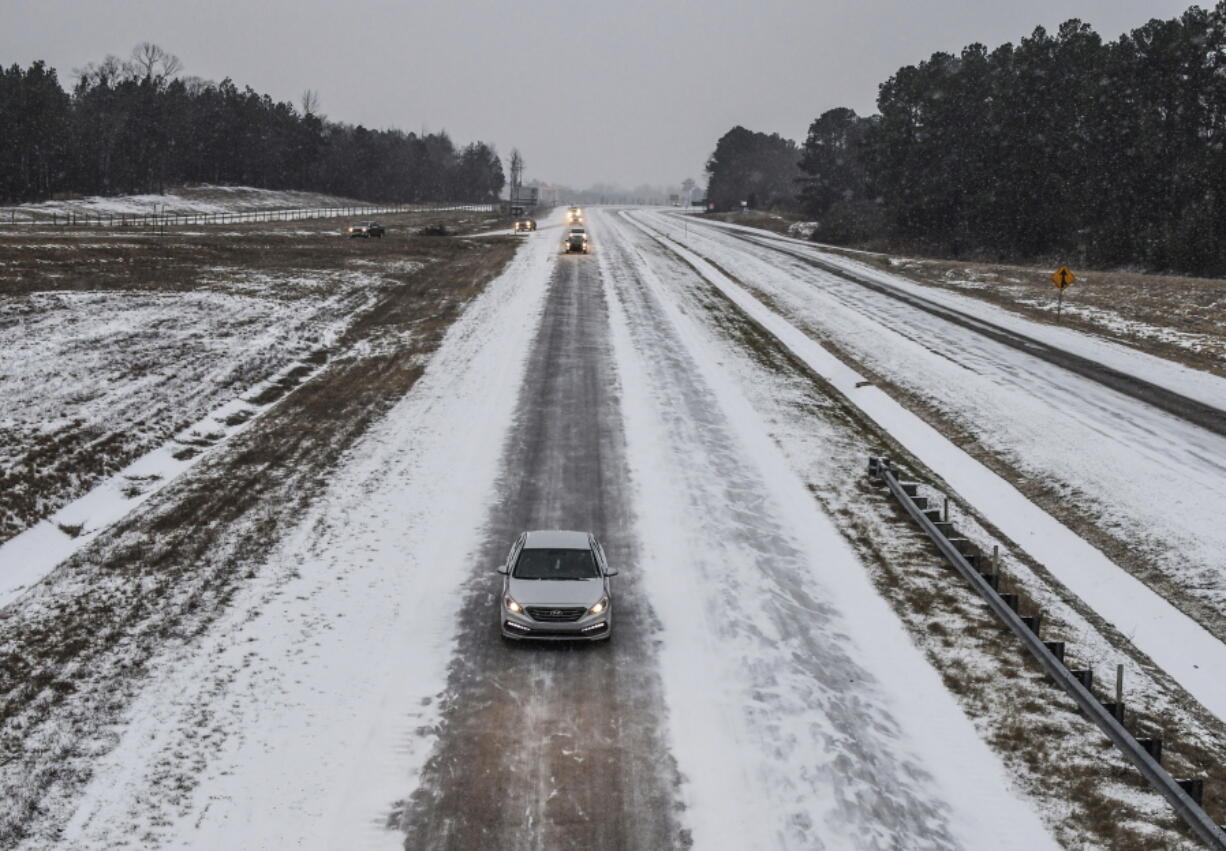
(105, 73)
(310, 102)
(150, 62)
(195, 85)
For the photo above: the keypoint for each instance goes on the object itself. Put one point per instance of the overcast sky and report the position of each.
(622, 91)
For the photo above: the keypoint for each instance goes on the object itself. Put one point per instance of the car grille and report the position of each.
(556, 614)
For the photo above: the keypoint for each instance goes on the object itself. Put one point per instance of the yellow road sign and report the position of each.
(1063, 277)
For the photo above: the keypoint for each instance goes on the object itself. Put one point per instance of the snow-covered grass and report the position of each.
(91, 379)
(1179, 317)
(194, 200)
(1173, 316)
(30, 555)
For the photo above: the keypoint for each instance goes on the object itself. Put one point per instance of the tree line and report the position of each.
(1062, 145)
(132, 126)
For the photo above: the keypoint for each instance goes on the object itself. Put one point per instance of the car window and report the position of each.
(555, 564)
(514, 553)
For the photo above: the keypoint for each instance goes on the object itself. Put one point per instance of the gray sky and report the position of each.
(622, 91)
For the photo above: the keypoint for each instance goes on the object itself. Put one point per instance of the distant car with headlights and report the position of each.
(525, 225)
(576, 241)
(574, 215)
(366, 230)
(556, 587)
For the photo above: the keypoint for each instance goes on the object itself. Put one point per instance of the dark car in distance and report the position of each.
(366, 230)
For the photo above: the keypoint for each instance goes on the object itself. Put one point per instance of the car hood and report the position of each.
(556, 592)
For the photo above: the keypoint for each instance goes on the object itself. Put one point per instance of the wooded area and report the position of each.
(135, 126)
(1062, 145)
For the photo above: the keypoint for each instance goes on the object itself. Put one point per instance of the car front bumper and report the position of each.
(587, 628)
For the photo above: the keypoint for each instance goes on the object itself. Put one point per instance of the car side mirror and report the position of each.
(502, 568)
(612, 571)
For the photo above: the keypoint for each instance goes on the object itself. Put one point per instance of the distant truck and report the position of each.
(576, 241)
(525, 196)
(525, 225)
(574, 215)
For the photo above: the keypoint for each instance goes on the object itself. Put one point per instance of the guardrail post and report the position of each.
(1034, 622)
(1195, 787)
(1152, 745)
(1085, 676)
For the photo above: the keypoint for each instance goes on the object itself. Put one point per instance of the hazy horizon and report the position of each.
(627, 94)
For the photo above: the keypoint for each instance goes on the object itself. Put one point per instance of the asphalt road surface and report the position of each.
(555, 746)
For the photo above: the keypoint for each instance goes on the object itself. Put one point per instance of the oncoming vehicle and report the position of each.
(576, 241)
(574, 216)
(556, 587)
(366, 230)
(525, 225)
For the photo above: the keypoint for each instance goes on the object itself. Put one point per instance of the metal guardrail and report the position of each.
(1158, 778)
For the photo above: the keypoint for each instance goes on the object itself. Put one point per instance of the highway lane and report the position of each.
(556, 746)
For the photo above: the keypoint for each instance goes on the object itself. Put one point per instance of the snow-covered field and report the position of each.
(199, 200)
(92, 379)
(1094, 314)
(318, 687)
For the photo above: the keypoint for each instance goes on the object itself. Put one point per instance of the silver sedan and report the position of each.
(556, 587)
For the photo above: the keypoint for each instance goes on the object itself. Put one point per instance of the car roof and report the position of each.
(555, 539)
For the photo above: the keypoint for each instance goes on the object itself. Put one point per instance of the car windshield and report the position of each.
(555, 564)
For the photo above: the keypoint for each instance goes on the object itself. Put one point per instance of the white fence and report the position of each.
(65, 218)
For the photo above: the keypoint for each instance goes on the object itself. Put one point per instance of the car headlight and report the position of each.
(599, 607)
(512, 606)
